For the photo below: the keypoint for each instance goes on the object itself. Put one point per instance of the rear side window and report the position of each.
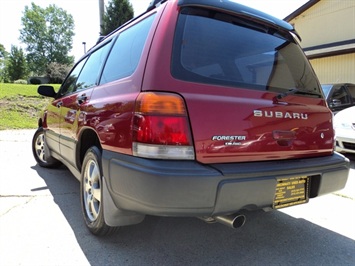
(216, 48)
(127, 51)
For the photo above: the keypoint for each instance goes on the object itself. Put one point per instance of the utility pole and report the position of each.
(101, 10)
(84, 43)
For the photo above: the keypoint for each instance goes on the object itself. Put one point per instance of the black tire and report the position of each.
(91, 194)
(39, 151)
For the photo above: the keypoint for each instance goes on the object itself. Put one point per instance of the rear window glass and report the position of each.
(215, 48)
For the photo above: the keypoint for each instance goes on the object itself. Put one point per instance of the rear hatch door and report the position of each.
(242, 125)
(250, 92)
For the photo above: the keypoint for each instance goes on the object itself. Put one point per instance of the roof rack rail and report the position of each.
(154, 4)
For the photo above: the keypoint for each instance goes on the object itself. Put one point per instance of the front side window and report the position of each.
(216, 48)
(90, 73)
(69, 84)
(351, 89)
(85, 73)
(340, 96)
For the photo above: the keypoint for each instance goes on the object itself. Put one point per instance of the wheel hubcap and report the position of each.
(39, 148)
(92, 190)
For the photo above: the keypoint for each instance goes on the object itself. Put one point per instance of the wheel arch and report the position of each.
(42, 119)
(40, 122)
(86, 139)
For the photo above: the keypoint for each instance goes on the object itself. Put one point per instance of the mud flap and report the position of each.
(114, 216)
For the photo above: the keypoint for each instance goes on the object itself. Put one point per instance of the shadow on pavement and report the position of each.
(272, 238)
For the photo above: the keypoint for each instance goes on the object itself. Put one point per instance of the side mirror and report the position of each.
(46, 90)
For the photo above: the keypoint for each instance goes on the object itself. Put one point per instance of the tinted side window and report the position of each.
(340, 97)
(351, 89)
(91, 70)
(69, 84)
(127, 51)
(85, 73)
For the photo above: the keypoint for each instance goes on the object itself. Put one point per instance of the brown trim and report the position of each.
(300, 10)
(333, 53)
(328, 45)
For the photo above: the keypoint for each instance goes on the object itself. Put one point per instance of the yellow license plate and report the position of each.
(291, 191)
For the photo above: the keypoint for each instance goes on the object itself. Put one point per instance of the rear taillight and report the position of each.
(160, 127)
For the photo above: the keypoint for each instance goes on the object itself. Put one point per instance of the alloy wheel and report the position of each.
(92, 190)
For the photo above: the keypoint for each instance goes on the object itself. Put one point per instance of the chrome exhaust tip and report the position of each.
(234, 220)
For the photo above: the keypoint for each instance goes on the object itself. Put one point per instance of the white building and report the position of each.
(327, 29)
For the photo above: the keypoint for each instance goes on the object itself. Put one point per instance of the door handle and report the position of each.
(81, 99)
(59, 104)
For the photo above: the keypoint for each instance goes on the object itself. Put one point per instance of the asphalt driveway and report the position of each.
(41, 224)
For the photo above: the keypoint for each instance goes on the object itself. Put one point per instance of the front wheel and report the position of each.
(91, 194)
(40, 151)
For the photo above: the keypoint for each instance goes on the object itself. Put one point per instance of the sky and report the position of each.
(86, 17)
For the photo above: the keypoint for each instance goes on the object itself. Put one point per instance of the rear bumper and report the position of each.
(187, 188)
(345, 144)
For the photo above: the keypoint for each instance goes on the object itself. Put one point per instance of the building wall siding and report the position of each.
(324, 23)
(328, 21)
(335, 69)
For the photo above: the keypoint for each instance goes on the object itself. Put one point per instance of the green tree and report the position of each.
(16, 66)
(3, 52)
(3, 56)
(57, 72)
(117, 13)
(48, 34)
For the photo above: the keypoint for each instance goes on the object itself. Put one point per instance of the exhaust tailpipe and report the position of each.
(234, 220)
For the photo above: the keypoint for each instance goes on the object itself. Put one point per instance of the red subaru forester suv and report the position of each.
(197, 108)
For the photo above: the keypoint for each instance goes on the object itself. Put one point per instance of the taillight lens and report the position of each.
(160, 127)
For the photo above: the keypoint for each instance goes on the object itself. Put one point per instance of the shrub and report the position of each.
(20, 81)
(35, 81)
(57, 72)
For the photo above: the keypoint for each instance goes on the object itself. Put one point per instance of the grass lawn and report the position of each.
(20, 105)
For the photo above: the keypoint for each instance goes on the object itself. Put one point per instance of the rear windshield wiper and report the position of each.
(299, 92)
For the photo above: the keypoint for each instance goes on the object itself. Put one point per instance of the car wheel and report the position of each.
(91, 194)
(39, 151)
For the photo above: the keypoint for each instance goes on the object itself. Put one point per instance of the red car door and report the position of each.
(73, 104)
(70, 110)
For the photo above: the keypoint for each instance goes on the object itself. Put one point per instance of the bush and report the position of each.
(57, 72)
(35, 81)
(20, 81)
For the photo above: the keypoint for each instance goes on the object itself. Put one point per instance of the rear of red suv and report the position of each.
(220, 113)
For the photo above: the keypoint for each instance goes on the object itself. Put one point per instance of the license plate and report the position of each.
(291, 191)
